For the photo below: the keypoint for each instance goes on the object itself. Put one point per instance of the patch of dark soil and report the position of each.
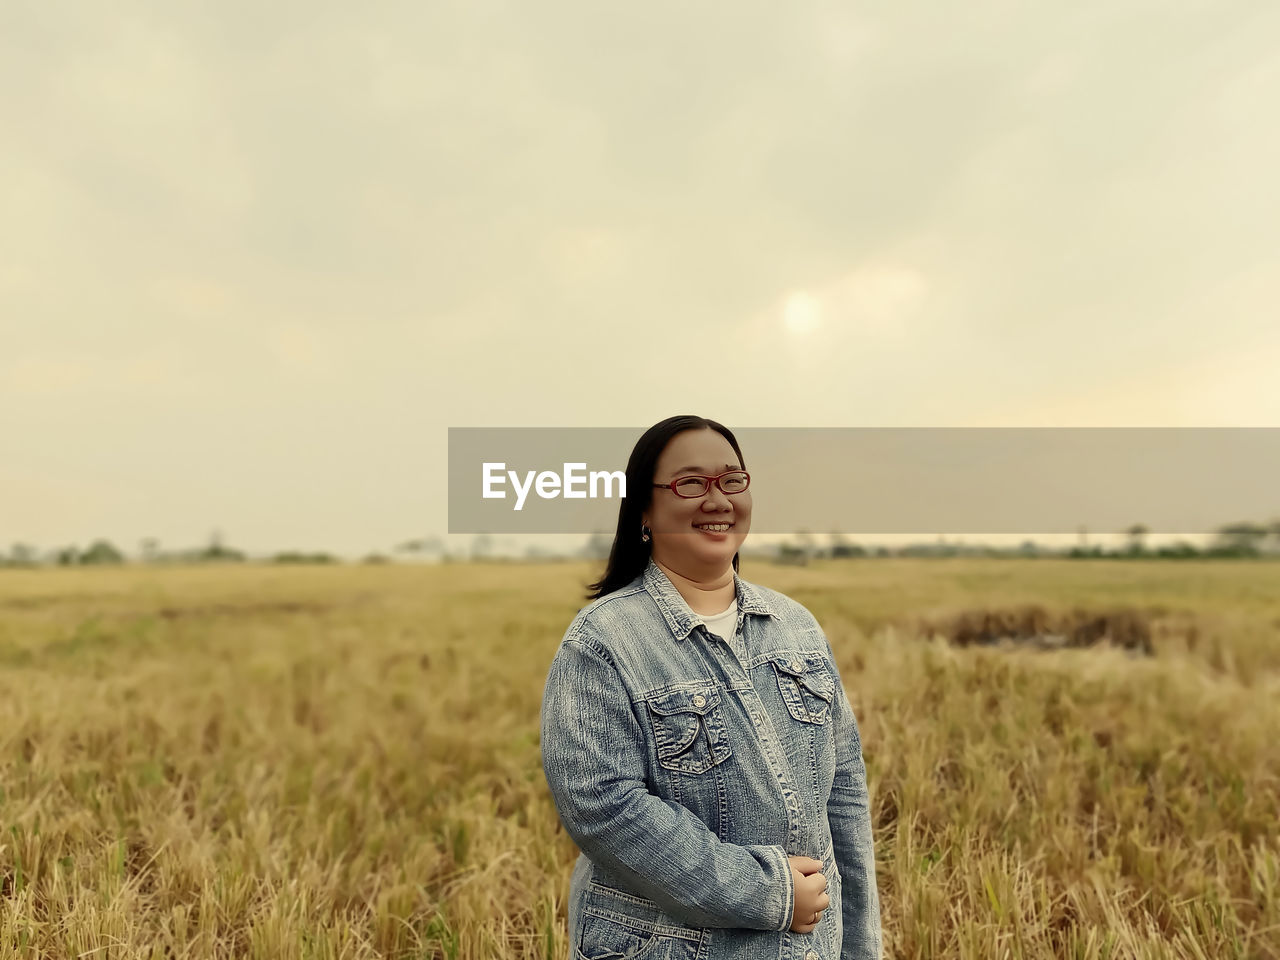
(204, 611)
(42, 603)
(1034, 626)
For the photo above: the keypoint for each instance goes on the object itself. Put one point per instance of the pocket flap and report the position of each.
(686, 700)
(789, 663)
(815, 677)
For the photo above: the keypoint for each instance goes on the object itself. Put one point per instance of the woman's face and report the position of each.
(681, 539)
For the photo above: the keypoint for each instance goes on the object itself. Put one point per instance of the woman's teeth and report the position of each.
(714, 527)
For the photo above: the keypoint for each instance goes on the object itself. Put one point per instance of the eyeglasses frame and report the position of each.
(711, 480)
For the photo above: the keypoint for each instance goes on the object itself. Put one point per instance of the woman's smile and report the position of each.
(717, 530)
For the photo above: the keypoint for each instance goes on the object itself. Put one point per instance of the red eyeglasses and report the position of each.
(694, 486)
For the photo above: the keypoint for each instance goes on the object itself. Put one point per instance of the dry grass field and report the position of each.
(343, 762)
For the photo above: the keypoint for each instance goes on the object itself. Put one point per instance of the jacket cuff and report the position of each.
(789, 898)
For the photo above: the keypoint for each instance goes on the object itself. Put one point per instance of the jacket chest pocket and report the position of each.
(807, 687)
(688, 729)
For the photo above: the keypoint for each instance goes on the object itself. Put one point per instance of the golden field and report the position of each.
(343, 762)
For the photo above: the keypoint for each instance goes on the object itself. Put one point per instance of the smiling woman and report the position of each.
(695, 525)
(697, 740)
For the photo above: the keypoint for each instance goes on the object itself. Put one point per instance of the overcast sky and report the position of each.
(255, 259)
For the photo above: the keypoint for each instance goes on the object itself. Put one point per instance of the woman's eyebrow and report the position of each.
(727, 466)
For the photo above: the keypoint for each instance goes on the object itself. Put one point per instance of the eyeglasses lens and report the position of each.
(697, 487)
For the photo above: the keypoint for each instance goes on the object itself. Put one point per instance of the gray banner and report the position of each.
(922, 480)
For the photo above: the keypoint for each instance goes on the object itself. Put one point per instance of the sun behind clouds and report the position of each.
(802, 313)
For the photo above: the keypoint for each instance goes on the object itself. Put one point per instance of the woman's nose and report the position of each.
(715, 500)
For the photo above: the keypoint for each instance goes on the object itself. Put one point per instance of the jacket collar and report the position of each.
(680, 618)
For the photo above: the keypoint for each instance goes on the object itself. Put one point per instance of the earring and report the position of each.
(644, 533)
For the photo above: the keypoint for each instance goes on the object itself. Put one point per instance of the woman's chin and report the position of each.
(701, 551)
(718, 551)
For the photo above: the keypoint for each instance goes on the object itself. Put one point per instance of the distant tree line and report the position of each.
(103, 552)
(1233, 540)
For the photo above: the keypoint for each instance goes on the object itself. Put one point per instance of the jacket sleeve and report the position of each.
(849, 813)
(594, 760)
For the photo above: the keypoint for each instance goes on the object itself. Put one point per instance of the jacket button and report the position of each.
(811, 955)
(797, 666)
(699, 700)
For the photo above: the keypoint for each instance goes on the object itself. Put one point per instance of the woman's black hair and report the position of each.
(630, 555)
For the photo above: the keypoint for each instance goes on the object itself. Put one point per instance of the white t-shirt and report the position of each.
(725, 624)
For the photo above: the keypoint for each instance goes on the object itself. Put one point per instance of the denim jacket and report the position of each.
(686, 781)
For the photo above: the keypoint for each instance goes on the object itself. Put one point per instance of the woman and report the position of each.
(697, 739)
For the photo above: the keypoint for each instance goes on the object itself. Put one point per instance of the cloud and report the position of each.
(155, 371)
(878, 297)
(35, 376)
(301, 351)
(484, 210)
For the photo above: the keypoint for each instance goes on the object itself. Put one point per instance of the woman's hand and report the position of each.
(811, 893)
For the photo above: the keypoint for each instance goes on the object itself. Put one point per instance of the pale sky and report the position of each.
(255, 259)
